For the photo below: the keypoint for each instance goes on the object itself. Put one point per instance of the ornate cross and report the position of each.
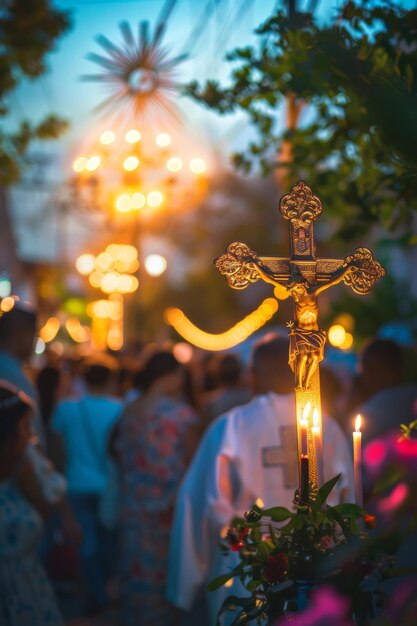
(302, 277)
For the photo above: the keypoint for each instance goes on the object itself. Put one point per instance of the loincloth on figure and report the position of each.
(304, 341)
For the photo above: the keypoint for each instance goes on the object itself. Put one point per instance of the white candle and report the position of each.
(304, 429)
(357, 462)
(318, 446)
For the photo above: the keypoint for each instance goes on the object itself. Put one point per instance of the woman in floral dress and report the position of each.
(156, 437)
(26, 597)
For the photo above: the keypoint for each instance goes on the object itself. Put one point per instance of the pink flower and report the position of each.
(327, 542)
(405, 452)
(391, 449)
(327, 608)
(394, 500)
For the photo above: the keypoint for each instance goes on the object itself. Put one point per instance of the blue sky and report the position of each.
(223, 25)
(61, 90)
(231, 23)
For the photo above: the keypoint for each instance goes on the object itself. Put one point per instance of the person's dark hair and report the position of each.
(230, 370)
(13, 321)
(269, 362)
(385, 354)
(47, 384)
(96, 375)
(14, 404)
(158, 365)
(98, 369)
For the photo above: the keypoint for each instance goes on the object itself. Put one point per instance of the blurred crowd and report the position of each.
(118, 471)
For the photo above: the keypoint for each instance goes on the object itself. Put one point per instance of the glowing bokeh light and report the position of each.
(174, 164)
(39, 346)
(109, 282)
(79, 164)
(107, 137)
(138, 200)
(124, 203)
(113, 249)
(155, 264)
(50, 329)
(131, 163)
(93, 163)
(103, 262)
(183, 352)
(85, 264)
(95, 278)
(154, 198)
(197, 166)
(127, 253)
(99, 308)
(7, 304)
(337, 335)
(346, 320)
(76, 330)
(163, 140)
(348, 342)
(133, 136)
(127, 283)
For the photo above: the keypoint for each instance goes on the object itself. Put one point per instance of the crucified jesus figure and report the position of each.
(306, 338)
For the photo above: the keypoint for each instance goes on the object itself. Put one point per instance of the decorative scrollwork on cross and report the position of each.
(301, 280)
(238, 265)
(300, 205)
(364, 272)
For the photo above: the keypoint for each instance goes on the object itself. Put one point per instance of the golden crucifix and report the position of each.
(302, 277)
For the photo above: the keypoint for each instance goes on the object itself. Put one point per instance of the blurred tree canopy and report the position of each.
(29, 30)
(351, 94)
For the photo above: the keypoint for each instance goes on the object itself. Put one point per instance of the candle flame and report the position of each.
(306, 411)
(316, 418)
(358, 423)
(259, 502)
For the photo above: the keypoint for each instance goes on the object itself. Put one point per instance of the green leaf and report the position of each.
(278, 513)
(349, 510)
(219, 581)
(325, 490)
(253, 585)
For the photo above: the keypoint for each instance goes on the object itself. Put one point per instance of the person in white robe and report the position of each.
(247, 456)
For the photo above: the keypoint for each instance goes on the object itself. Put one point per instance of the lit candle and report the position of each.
(357, 462)
(304, 483)
(318, 446)
(304, 429)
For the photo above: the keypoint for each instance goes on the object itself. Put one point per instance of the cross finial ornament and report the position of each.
(301, 277)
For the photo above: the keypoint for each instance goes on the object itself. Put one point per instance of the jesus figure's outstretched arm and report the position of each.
(265, 273)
